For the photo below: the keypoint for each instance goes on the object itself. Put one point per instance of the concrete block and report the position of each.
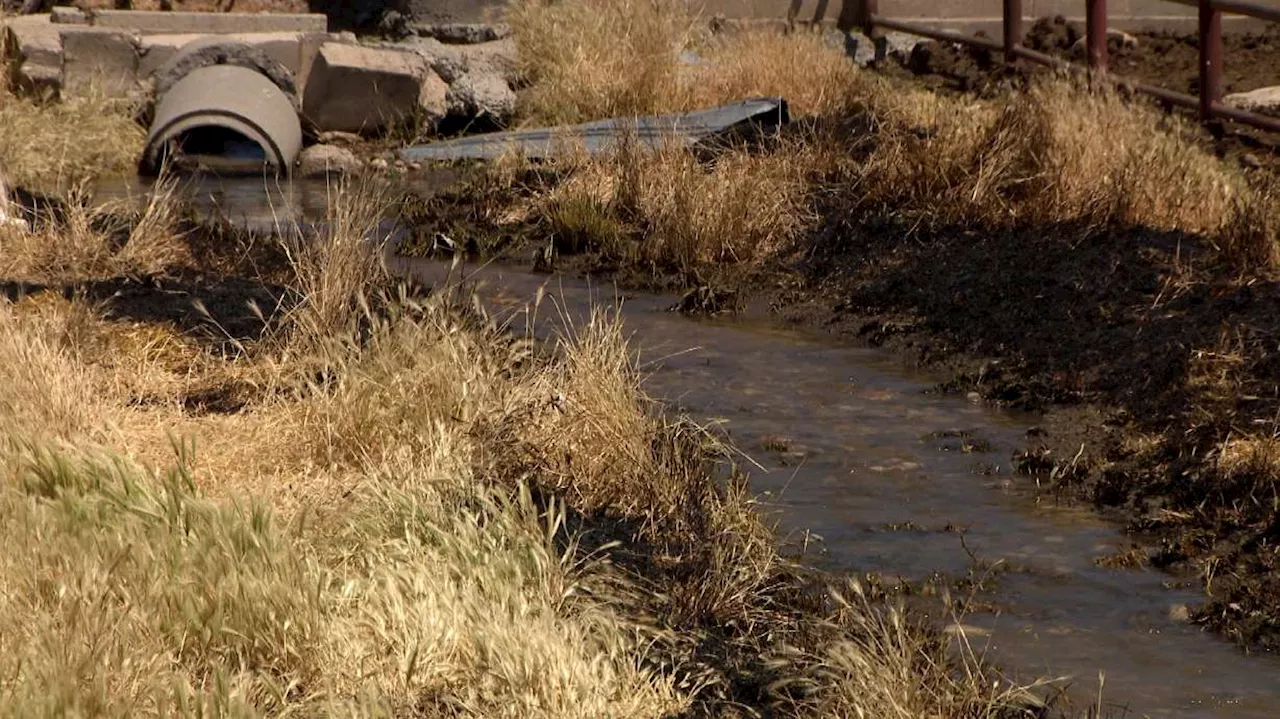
(206, 23)
(33, 39)
(360, 89)
(35, 49)
(103, 59)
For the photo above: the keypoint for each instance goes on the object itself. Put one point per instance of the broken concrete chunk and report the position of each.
(105, 61)
(68, 16)
(208, 50)
(433, 100)
(37, 52)
(360, 89)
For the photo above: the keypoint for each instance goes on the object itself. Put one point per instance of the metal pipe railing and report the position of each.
(866, 15)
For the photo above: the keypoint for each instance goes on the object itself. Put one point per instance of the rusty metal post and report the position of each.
(1210, 58)
(870, 9)
(1096, 34)
(1012, 29)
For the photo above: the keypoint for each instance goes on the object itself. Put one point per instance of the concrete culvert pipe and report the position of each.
(225, 119)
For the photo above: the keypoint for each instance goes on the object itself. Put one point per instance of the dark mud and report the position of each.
(1163, 59)
(1150, 354)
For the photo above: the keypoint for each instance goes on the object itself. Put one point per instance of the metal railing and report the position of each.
(866, 16)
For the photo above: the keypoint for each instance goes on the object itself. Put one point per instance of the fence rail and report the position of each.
(866, 15)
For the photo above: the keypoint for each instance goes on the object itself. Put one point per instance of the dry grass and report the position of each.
(1056, 152)
(79, 241)
(449, 520)
(591, 59)
(58, 145)
(670, 211)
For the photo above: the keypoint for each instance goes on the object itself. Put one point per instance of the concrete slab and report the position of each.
(94, 59)
(206, 23)
(63, 15)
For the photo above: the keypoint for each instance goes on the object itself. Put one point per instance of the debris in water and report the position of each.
(742, 119)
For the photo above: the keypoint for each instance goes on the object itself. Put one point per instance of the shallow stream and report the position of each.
(887, 476)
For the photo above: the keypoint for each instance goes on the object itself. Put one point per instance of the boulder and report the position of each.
(324, 160)
(362, 89)
(481, 95)
(1265, 100)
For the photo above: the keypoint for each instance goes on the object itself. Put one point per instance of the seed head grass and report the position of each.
(1058, 151)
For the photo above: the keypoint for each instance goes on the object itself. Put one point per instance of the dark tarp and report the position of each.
(740, 119)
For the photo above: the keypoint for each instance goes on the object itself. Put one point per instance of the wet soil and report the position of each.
(1144, 352)
(1163, 59)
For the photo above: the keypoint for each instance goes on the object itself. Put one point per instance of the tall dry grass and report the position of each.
(50, 144)
(56, 145)
(451, 520)
(1059, 151)
(591, 59)
(670, 210)
(79, 241)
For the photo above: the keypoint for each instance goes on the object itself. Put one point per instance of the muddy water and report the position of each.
(884, 476)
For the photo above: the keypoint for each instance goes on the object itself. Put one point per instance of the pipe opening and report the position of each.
(216, 148)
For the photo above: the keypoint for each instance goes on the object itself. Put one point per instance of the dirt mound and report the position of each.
(1053, 35)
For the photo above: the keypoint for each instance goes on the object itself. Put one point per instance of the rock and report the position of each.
(1116, 39)
(362, 89)
(324, 160)
(1179, 613)
(433, 99)
(337, 137)
(481, 95)
(464, 33)
(103, 60)
(1265, 100)
(395, 25)
(9, 215)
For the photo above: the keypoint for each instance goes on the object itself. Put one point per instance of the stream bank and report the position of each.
(1153, 359)
(899, 481)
